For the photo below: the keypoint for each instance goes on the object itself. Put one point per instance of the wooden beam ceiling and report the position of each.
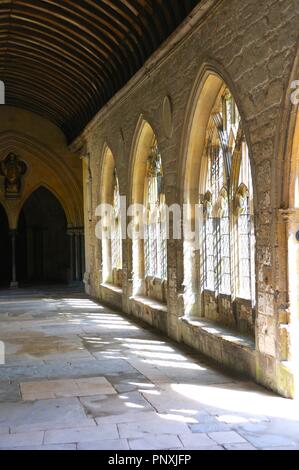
(64, 59)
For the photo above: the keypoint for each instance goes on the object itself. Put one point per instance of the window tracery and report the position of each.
(228, 231)
(155, 245)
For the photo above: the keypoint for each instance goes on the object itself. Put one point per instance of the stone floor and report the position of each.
(78, 375)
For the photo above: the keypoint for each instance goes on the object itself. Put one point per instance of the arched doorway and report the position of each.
(5, 246)
(42, 243)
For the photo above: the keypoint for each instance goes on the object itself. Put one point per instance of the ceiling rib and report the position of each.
(64, 59)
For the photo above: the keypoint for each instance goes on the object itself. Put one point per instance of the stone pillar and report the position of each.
(82, 248)
(106, 260)
(289, 321)
(77, 255)
(70, 233)
(14, 283)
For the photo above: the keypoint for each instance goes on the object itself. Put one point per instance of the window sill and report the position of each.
(290, 366)
(151, 303)
(221, 332)
(156, 280)
(112, 287)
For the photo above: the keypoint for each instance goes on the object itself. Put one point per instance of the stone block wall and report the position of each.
(252, 45)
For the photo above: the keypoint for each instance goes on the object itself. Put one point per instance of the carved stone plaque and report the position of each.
(13, 170)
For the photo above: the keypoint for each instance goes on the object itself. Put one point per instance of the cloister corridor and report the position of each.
(79, 375)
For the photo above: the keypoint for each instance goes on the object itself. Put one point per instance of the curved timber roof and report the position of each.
(64, 59)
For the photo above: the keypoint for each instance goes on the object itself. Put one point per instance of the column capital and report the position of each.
(75, 230)
(290, 214)
(85, 155)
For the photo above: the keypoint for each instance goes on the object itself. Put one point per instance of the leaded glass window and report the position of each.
(245, 232)
(155, 243)
(116, 238)
(224, 274)
(228, 239)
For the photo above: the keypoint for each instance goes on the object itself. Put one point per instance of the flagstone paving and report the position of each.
(78, 375)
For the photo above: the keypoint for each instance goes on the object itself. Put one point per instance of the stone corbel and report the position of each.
(289, 215)
(290, 218)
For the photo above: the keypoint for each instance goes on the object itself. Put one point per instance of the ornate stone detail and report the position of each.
(221, 203)
(240, 200)
(154, 168)
(207, 203)
(13, 170)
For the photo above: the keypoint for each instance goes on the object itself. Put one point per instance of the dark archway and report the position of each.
(42, 243)
(5, 244)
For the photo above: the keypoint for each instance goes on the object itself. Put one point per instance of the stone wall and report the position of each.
(42, 146)
(252, 45)
(51, 166)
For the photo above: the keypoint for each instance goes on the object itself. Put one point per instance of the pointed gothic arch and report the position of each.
(111, 243)
(149, 244)
(219, 270)
(42, 242)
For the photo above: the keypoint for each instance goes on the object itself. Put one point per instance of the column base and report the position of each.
(75, 284)
(14, 285)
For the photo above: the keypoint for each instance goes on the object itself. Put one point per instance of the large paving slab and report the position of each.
(54, 411)
(47, 389)
(78, 375)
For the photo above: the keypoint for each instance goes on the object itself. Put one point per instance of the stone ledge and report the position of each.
(112, 287)
(221, 344)
(111, 294)
(225, 333)
(288, 382)
(152, 303)
(150, 311)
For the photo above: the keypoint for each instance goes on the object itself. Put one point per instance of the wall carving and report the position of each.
(13, 169)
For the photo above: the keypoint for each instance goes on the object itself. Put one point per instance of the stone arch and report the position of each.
(143, 140)
(42, 249)
(55, 174)
(287, 252)
(288, 144)
(110, 261)
(293, 175)
(54, 193)
(210, 79)
(192, 188)
(5, 247)
(108, 165)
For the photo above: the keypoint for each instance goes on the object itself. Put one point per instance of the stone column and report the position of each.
(70, 233)
(289, 322)
(14, 283)
(77, 255)
(82, 249)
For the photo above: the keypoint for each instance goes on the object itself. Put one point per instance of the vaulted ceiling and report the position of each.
(64, 59)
